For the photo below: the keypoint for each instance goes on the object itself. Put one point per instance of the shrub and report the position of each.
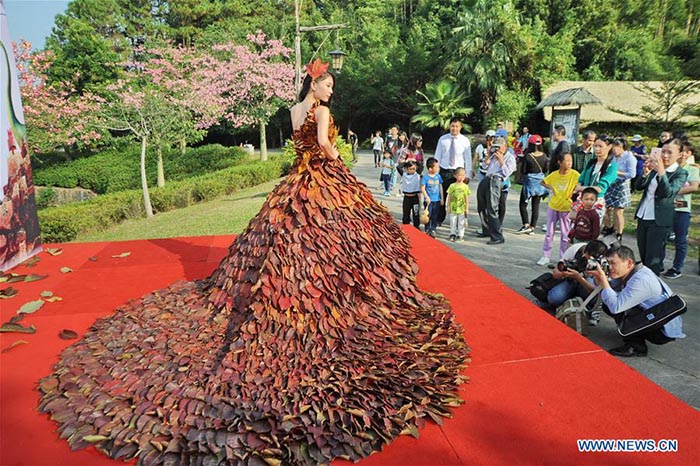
(45, 198)
(118, 169)
(65, 223)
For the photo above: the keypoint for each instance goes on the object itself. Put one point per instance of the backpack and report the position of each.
(540, 286)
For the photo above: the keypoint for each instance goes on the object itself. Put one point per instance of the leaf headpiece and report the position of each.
(316, 68)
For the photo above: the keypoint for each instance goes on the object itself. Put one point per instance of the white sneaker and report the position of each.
(543, 261)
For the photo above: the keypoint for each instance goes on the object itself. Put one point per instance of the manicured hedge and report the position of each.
(119, 169)
(64, 223)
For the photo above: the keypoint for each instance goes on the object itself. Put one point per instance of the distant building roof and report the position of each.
(622, 95)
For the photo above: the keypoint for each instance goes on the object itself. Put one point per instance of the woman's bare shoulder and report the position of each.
(298, 115)
(322, 111)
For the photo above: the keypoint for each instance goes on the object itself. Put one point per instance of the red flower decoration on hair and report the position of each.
(317, 68)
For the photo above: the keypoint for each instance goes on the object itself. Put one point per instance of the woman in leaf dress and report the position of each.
(302, 346)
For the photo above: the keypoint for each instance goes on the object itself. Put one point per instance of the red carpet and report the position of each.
(536, 386)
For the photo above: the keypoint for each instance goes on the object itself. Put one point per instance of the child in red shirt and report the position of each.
(586, 225)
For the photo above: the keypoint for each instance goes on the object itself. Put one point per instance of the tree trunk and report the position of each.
(263, 141)
(662, 21)
(161, 170)
(66, 154)
(144, 181)
(486, 104)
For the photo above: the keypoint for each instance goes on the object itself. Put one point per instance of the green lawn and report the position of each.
(231, 214)
(226, 215)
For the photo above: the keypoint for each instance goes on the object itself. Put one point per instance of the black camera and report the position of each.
(593, 264)
(565, 265)
(583, 264)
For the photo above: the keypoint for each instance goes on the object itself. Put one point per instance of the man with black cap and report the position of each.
(501, 164)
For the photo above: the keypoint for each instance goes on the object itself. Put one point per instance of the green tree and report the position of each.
(489, 45)
(85, 43)
(511, 105)
(439, 103)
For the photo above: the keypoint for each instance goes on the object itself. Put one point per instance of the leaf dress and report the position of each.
(310, 341)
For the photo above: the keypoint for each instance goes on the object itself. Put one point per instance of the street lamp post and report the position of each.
(336, 55)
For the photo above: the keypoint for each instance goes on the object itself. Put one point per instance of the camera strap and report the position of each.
(591, 296)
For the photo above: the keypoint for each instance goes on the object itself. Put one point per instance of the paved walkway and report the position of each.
(675, 366)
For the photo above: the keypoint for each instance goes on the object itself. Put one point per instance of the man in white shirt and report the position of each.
(501, 164)
(453, 151)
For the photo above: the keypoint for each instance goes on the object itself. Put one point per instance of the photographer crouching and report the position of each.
(569, 279)
(634, 289)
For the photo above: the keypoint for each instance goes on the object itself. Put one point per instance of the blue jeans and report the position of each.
(386, 179)
(434, 212)
(681, 224)
(567, 289)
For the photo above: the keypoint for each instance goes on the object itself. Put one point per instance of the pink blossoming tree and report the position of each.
(55, 115)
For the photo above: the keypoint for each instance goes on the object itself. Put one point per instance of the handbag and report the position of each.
(540, 286)
(638, 320)
(424, 217)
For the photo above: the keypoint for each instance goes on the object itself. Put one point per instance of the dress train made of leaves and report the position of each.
(310, 341)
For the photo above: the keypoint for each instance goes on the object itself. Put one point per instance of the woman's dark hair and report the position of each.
(533, 148)
(607, 140)
(399, 143)
(620, 142)
(306, 87)
(413, 141)
(676, 142)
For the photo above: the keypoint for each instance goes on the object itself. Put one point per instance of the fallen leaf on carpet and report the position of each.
(34, 277)
(13, 345)
(53, 299)
(18, 328)
(31, 262)
(46, 294)
(66, 270)
(8, 293)
(67, 334)
(54, 251)
(30, 307)
(124, 254)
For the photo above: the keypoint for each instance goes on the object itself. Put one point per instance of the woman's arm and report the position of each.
(607, 178)
(669, 188)
(323, 117)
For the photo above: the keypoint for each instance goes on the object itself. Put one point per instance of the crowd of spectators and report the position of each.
(586, 187)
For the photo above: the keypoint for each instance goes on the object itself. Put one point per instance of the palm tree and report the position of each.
(441, 101)
(486, 41)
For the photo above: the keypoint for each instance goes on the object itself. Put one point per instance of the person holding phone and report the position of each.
(661, 181)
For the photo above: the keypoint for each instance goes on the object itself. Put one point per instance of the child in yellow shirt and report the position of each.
(561, 183)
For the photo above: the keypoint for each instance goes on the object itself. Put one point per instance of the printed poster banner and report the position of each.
(569, 119)
(19, 225)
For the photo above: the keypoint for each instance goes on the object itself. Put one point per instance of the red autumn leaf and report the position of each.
(67, 334)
